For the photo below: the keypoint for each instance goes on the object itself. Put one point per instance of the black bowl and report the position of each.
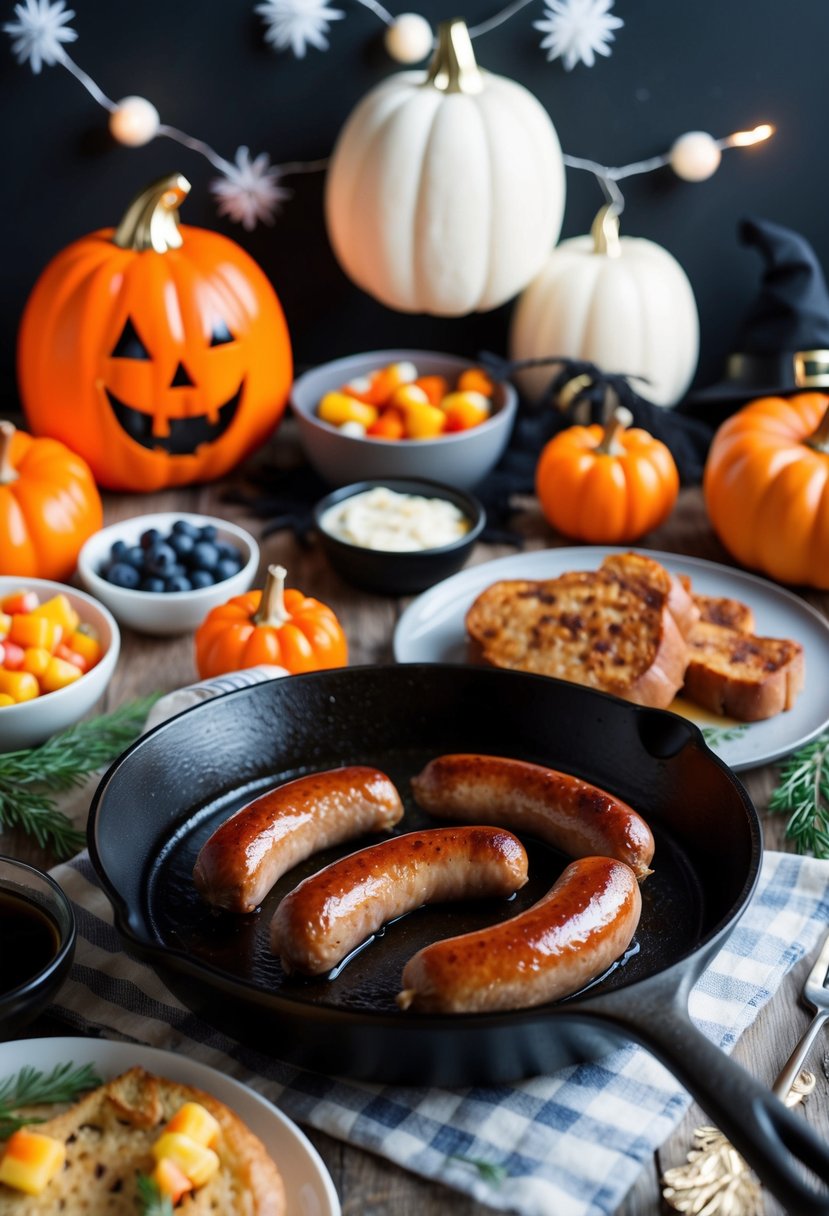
(400, 573)
(38, 927)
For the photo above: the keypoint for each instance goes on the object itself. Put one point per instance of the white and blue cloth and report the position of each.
(570, 1144)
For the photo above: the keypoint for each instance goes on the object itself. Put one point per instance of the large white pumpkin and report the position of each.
(622, 303)
(445, 191)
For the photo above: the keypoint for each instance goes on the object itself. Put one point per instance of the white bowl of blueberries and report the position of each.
(163, 573)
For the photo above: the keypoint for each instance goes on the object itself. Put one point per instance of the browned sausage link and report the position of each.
(574, 816)
(242, 860)
(332, 912)
(585, 922)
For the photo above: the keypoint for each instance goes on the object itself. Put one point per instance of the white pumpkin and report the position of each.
(445, 191)
(622, 303)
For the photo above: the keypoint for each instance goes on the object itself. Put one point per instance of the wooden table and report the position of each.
(368, 1185)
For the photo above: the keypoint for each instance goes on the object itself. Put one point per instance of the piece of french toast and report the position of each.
(109, 1135)
(733, 672)
(612, 629)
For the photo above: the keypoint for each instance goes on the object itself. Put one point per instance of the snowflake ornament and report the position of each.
(39, 32)
(577, 30)
(297, 23)
(249, 192)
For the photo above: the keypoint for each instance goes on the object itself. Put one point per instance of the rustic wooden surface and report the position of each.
(368, 1185)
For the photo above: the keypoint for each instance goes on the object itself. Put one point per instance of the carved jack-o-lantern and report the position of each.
(159, 353)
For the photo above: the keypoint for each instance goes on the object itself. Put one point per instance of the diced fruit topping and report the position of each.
(195, 1160)
(186, 558)
(394, 403)
(171, 1181)
(195, 1121)
(44, 646)
(31, 1161)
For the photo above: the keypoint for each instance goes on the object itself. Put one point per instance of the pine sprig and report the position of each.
(31, 1087)
(29, 778)
(153, 1203)
(803, 794)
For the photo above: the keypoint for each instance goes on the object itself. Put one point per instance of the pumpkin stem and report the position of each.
(820, 439)
(453, 68)
(618, 421)
(605, 232)
(272, 610)
(151, 220)
(8, 473)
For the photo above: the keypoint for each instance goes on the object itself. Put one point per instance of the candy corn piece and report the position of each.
(31, 1161)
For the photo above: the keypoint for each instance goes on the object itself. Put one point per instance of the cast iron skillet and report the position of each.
(161, 800)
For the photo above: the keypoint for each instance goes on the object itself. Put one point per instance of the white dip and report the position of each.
(397, 523)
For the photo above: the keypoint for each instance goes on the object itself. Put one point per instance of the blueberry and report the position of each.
(134, 556)
(160, 558)
(178, 583)
(123, 575)
(152, 583)
(208, 532)
(149, 537)
(119, 548)
(183, 527)
(201, 578)
(204, 556)
(228, 550)
(225, 569)
(182, 543)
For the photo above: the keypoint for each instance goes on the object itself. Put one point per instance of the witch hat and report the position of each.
(783, 345)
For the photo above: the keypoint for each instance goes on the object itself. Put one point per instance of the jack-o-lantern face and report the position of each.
(158, 353)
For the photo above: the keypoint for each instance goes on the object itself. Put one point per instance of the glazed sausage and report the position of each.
(329, 914)
(583, 923)
(574, 816)
(237, 866)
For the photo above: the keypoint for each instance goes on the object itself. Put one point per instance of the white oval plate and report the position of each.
(309, 1190)
(431, 630)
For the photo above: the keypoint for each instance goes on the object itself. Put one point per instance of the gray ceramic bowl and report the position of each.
(400, 573)
(39, 935)
(461, 460)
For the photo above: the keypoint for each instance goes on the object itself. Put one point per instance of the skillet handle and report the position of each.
(774, 1140)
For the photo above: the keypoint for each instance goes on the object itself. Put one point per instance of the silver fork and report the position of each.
(816, 995)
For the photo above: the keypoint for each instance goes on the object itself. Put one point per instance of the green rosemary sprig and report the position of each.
(715, 736)
(488, 1170)
(153, 1203)
(30, 1087)
(803, 794)
(60, 764)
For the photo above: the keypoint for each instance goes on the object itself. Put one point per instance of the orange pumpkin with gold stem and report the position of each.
(606, 485)
(766, 486)
(49, 505)
(158, 352)
(276, 626)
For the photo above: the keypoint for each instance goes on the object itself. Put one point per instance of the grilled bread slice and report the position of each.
(733, 672)
(610, 629)
(109, 1136)
(647, 574)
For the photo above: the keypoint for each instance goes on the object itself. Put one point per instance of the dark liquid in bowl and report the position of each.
(29, 940)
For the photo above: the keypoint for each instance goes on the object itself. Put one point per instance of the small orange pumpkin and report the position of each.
(159, 353)
(277, 626)
(606, 485)
(49, 505)
(766, 487)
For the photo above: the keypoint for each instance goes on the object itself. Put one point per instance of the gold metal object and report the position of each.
(568, 393)
(151, 220)
(716, 1180)
(605, 232)
(811, 368)
(453, 68)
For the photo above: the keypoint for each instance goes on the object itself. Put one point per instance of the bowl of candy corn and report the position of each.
(403, 413)
(58, 650)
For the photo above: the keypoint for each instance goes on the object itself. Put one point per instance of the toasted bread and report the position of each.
(109, 1136)
(733, 672)
(646, 573)
(610, 629)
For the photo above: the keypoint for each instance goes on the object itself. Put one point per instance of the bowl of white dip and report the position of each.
(398, 536)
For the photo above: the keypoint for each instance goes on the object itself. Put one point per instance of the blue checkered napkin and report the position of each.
(572, 1143)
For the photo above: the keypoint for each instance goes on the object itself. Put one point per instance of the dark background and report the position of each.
(675, 67)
